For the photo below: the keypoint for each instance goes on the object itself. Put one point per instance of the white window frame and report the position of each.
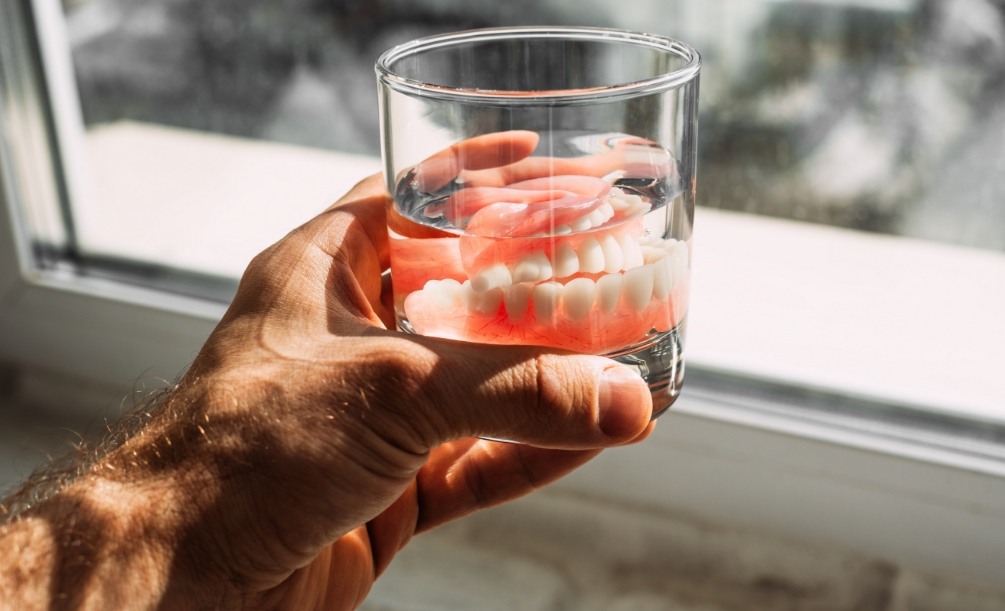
(740, 453)
(53, 319)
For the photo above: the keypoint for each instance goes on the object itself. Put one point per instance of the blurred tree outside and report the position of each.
(879, 115)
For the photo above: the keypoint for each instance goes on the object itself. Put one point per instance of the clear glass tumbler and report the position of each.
(543, 184)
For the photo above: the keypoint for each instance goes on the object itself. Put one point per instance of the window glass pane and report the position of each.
(883, 115)
(212, 128)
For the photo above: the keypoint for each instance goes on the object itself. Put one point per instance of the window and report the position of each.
(849, 266)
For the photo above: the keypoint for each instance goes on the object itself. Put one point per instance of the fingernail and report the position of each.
(623, 401)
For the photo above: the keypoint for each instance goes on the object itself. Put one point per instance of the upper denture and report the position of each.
(523, 208)
(594, 237)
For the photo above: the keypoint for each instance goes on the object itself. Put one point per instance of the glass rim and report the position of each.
(662, 82)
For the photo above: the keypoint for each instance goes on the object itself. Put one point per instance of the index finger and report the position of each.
(479, 153)
(628, 156)
(367, 202)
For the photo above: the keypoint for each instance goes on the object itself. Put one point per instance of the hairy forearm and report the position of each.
(86, 547)
(230, 485)
(103, 529)
(179, 509)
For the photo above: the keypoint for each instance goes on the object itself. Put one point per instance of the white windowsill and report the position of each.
(228, 198)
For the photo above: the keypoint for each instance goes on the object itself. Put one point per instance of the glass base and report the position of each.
(660, 362)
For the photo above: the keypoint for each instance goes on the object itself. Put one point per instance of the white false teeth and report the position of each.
(577, 298)
(533, 268)
(634, 289)
(546, 297)
(566, 261)
(491, 277)
(638, 289)
(591, 256)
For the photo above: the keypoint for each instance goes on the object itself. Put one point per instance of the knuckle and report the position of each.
(410, 412)
(561, 386)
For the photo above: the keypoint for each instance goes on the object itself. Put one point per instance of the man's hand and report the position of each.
(308, 443)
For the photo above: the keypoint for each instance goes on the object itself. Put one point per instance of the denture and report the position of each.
(562, 261)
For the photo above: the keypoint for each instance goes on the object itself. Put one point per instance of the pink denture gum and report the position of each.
(562, 261)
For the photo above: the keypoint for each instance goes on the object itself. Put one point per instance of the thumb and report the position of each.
(526, 394)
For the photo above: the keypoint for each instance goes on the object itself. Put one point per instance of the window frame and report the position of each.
(736, 452)
(51, 317)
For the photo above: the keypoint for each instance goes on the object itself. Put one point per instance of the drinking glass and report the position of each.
(543, 183)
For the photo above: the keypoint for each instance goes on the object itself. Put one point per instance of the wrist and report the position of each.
(159, 490)
(193, 479)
